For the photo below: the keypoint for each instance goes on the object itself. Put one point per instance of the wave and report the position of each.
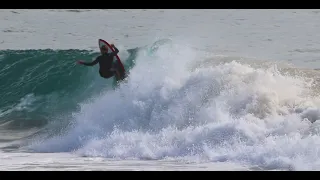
(179, 103)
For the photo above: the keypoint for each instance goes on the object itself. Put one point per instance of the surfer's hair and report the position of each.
(104, 47)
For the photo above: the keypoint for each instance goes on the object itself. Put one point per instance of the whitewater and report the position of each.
(207, 90)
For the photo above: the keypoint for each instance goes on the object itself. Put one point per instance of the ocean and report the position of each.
(206, 90)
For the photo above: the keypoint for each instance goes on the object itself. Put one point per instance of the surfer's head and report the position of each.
(103, 49)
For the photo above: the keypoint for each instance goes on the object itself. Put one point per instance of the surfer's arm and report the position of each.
(90, 63)
(116, 50)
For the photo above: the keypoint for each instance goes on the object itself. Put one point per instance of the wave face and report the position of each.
(176, 104)
(39, 85)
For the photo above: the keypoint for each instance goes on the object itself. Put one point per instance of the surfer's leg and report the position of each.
(115, 69)
(118, 74)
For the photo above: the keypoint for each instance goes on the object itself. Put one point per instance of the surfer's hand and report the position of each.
(112, 45)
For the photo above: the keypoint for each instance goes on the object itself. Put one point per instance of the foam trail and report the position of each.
(227, 112)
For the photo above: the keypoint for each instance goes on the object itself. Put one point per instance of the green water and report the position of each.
(37, 85)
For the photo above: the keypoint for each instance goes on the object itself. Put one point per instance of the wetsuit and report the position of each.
(105, 62)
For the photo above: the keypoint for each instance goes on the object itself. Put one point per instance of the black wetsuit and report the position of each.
(105, 62)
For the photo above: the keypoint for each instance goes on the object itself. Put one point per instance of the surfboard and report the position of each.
(116, 58)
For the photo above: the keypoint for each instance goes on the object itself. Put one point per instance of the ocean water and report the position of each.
(207, 90)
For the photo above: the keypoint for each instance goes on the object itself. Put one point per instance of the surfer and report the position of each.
(105, 61)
